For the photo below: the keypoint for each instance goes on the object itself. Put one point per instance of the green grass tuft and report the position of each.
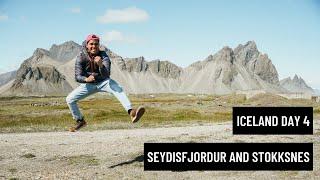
(28, 155)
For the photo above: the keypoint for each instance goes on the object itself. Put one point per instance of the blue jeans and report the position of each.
(87, 89)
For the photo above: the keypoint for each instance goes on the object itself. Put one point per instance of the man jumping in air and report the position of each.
(92, 70)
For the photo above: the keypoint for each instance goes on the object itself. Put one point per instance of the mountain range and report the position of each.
(244, 68)
(296, 84)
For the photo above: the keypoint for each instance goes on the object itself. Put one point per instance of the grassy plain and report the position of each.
(101, 111)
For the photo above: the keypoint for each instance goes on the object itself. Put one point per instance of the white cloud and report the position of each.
(75, 10)
(131, 14)
(119, 37)
(3, 17)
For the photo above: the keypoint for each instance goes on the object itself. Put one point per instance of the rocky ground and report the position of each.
(118, 154)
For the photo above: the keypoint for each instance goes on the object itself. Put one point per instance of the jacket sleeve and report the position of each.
(105, 69)
(79, 73)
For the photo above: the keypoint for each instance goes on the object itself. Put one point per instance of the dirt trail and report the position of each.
(118, 154)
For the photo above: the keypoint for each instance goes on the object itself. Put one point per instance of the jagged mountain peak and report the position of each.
(296, 78)
(39, 52)
(247, 52)
(226, 49)
(66, 44)
(248, 56)
(38, 56)
(225, 54)
(296, 84)
(209, 58)
(251, 45)
(65, 51)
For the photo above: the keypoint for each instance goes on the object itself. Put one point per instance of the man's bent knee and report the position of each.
(115, 86)
(70, 99)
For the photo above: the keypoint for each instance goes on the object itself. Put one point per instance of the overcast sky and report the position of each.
(179, 31)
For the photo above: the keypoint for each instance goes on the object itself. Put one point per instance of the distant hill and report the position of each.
(6, 77)
(297, 84)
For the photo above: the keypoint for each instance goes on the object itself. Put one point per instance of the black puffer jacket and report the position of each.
(85, 66)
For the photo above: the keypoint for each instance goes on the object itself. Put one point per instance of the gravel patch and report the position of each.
(118, 154)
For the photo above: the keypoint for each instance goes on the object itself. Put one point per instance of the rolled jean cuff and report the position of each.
(78, 118)
(128, 107)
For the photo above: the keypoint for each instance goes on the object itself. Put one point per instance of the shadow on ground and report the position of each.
(136, 159)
